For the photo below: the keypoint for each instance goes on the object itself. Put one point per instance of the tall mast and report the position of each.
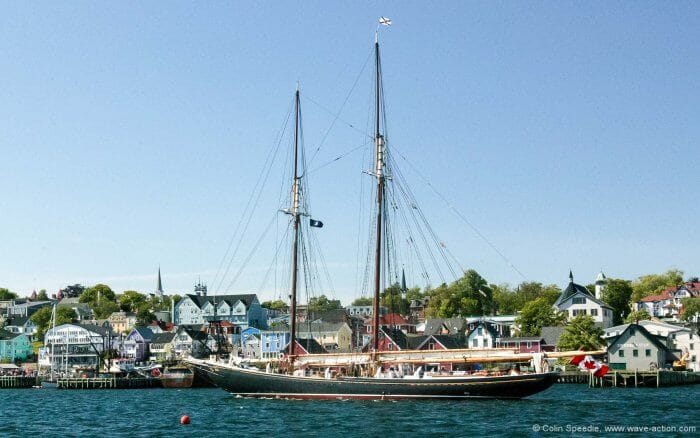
(379, 173)
(296, 215)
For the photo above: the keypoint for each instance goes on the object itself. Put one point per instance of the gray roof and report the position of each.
(573, 289)
(145, 332)
(521, 339)
(319, 327)
(551, 334)
(95, 328)
(454, 325)
(5, 335)
(162, 338)
(201, 300)
(450, 342)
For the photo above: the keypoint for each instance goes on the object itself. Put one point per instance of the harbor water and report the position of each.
(563, 409)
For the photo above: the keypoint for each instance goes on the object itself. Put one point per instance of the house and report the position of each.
(161, 347)
(137, 343)
(502, 324)
(251, 347)
(82, 310)
(189, 342)
(484, 335)
(669, 303)
(577, 300)
(678, 340)
(21, 325)
(524, 344)
(438, 342)
(364, 311)
(71, 345)
(356, 323)
(241, 310)
(305, 346)
(389, 320)
(633, 347)
(14, 346)
(331, 336)
(445, 326)
(23, 308)
(417, 309)
(122, 322)
(550, 337)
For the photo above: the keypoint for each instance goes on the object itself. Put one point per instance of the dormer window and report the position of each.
(579, 300)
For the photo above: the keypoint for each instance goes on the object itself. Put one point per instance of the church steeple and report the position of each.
(159, 288)
(571, 276)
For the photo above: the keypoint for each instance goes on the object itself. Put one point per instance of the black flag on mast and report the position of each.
(315, 223)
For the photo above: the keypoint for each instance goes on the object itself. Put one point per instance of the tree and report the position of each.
(469, 295)
(581, 332)
(73, 291)
(637, 315)
(652, 284)
(130, 300)
(5, 294)
(323, 304)
(93, 295)
(537, 314)
(277, 305)
(144, 317)
(363, 301)
(42, 318)
(42, 295)
(505, 300)
(691, 312)
(617, 294)
(392, 299)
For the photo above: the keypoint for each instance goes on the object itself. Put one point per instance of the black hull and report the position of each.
(253, 383)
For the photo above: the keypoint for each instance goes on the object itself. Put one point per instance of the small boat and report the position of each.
(178, 376)
(122, 366)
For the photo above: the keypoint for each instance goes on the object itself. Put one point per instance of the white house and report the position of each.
(70, 345)
(669, 304)
(577, 300)
(482, 336)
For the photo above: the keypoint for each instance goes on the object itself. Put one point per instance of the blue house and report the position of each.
(14, 346)
(263, 344)
(242, 311)
(137, 343)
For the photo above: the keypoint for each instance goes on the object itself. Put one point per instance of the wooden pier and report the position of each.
(17, 382)
(109, 383)
(632, 379)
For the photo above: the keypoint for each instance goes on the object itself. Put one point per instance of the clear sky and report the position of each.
(132, 133)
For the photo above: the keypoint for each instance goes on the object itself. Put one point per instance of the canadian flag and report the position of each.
(588, 364)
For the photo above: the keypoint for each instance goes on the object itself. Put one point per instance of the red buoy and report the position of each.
(185, 419)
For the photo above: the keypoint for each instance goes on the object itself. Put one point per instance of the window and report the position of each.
(529, 344)
(579, 300)
(691, 347)
(594, 312)
(475, 342)
(621, 353)
(635, 353)
(647, 352)
(479, 331)
(576, 312)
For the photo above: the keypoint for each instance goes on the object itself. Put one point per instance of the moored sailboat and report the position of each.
(374, 374)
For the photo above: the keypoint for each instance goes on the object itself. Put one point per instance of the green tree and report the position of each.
(655, 283)
(104, 309)
(691, 312)
(537, 314)
(469, 295)
(144, 317)
(5, 294)
(581, 332)
(363, 301)
(42, 318)
(42, 295)
(637, 315)
(323, 304)
(278, 305)
(130, 300)
(392, 299)
(93, 295)
(617, 294)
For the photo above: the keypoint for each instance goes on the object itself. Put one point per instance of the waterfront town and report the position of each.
(645, 325)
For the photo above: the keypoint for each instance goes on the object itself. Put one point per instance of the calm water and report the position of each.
(156, 413)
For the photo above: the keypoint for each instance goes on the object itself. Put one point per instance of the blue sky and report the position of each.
(132, 134)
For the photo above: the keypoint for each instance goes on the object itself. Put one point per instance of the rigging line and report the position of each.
(339, 157)
(464, 219)
(258, 187)
(337, 116)
(274, 260)
(252, 252)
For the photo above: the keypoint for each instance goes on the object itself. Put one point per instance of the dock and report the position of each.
(109, 383)
(632, 379)
(17, 382)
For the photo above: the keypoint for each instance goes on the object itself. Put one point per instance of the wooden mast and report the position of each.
(296, 221)
(379, 173)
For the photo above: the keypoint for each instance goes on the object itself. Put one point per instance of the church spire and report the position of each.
(159, 288)
(571, 276)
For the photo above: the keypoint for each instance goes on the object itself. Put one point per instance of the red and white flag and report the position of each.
(588, 364)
